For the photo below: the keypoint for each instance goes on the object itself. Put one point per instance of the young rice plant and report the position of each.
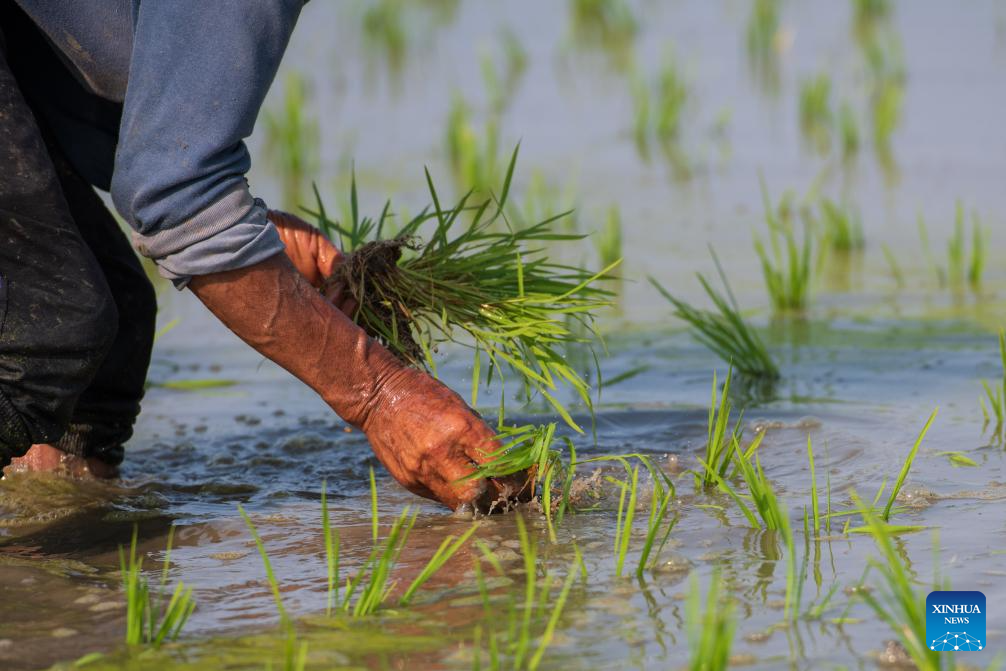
(152, 619)
(470, 283)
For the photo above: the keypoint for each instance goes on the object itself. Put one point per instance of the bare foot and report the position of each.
(43, 457)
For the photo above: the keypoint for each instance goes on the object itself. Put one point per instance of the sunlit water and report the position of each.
(860, 374)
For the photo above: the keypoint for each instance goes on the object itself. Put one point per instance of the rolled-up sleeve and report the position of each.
(198, 75)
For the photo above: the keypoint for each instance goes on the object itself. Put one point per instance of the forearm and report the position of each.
(273, 308)
(420, 430)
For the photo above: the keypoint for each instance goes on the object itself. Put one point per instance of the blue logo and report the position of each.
(955, 621)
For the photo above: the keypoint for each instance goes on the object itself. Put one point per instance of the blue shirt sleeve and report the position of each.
(198, 75)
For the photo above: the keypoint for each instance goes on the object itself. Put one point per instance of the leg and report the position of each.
(57, 315)
(106, 411)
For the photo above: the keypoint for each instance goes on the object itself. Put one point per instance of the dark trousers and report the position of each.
(76, 308)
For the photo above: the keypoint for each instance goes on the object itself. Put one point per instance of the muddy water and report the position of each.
(860, 374)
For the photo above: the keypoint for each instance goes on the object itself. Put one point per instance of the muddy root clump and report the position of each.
(370, 275)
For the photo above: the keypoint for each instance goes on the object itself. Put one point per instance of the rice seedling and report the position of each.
(764, 510)
(608, 240)
(557, 608)
(493, 291)
(771, 513)
(501, 82)
(814, 502)
(152, 619)
(710, 625)
(719, 435)
(977, 264)
(330, 537)
(963, 265)
(517, 642)
(815, 112)
(993, 404)
(292, 140)
(886, 72)
(640, 92)
(958, 459)
(895, 600)
(608, 24)
(893, 265)
(955, 249)
(865, 11)
(442, 12)
(659, 503)
(906, 467)
(447, 549)
(472, 154)
(889, 508)
(370, 587)
(787, 269)
(294, 653)
(843, 228)
(626, 513)
(373, 579)
(267, 564)
(384, 30)
(725, 332)
(763, 43)
(848, 130)
(514, 54)
(671, 97)
(887, 102)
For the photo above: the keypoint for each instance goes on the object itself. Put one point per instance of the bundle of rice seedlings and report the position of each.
(473, 281)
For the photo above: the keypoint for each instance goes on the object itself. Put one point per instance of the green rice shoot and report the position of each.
(848, 129)
(473, 153)
(724, 330)
(626, 514)
(895, 600)
(292, 140)
(711, 624)
(843, 228)
(815, 112)
(534, 605)
(905, 468)
(786, 263)
(608, 240)
(370, 587)
(152, 619)
(719, 435)
(993, 404)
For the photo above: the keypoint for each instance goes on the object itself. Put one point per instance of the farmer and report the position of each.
(152, 101)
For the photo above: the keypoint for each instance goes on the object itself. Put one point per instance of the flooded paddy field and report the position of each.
(673, 114)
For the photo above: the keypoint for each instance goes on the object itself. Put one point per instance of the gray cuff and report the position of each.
(232, 233)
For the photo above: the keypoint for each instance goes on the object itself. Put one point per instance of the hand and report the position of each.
(313, 255)
(430, 440)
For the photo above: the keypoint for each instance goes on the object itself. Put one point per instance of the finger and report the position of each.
(338, 296)
(327, 256)
(420, 490)
(453, 485)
